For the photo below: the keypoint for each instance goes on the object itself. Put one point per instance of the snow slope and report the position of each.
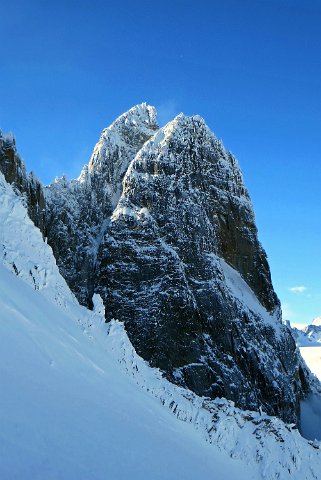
(24, 252)
(78, 403)
(68, 411)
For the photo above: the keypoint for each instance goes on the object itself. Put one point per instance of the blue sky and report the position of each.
(252, 69)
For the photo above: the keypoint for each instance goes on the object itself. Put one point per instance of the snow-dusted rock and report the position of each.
(181, 265)
(27, 185)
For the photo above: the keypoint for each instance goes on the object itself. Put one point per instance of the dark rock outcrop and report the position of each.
(27, 185)
(181, 265)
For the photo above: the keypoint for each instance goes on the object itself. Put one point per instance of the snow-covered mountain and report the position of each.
(308, 336)
(77, 402)
(181, 265)
(160, 224)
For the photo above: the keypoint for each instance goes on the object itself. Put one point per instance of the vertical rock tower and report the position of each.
(181, 265)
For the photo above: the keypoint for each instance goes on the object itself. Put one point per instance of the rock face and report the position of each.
(181, 265)
(161, 225)
(28, 185)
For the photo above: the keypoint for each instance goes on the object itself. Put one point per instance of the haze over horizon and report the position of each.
(250, 69)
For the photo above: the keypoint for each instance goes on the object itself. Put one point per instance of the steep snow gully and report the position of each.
(169, 250)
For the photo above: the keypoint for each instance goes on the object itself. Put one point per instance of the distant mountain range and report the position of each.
(309, 335)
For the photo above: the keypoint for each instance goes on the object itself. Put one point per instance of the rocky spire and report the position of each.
(117, 146)
(181, 265)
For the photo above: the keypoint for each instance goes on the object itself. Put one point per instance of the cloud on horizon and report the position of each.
(299, 289)
(299, 326)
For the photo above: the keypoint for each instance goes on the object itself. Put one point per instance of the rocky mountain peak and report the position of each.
(185, 165)
(161, 225)
(125, 133)
(117, 146)
(180, 263)
(188, 136)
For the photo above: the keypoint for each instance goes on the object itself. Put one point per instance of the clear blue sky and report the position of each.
(252, 69)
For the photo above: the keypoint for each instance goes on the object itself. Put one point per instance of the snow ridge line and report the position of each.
(279, 449)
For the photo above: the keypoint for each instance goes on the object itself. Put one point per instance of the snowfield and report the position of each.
(77, 402)
(68, 411)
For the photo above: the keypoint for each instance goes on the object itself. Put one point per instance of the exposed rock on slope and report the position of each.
(13, 169)
(161, 225)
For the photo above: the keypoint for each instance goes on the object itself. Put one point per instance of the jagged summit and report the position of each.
(131, 128)
(192, 134)
(142, 114)
(116, 147)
